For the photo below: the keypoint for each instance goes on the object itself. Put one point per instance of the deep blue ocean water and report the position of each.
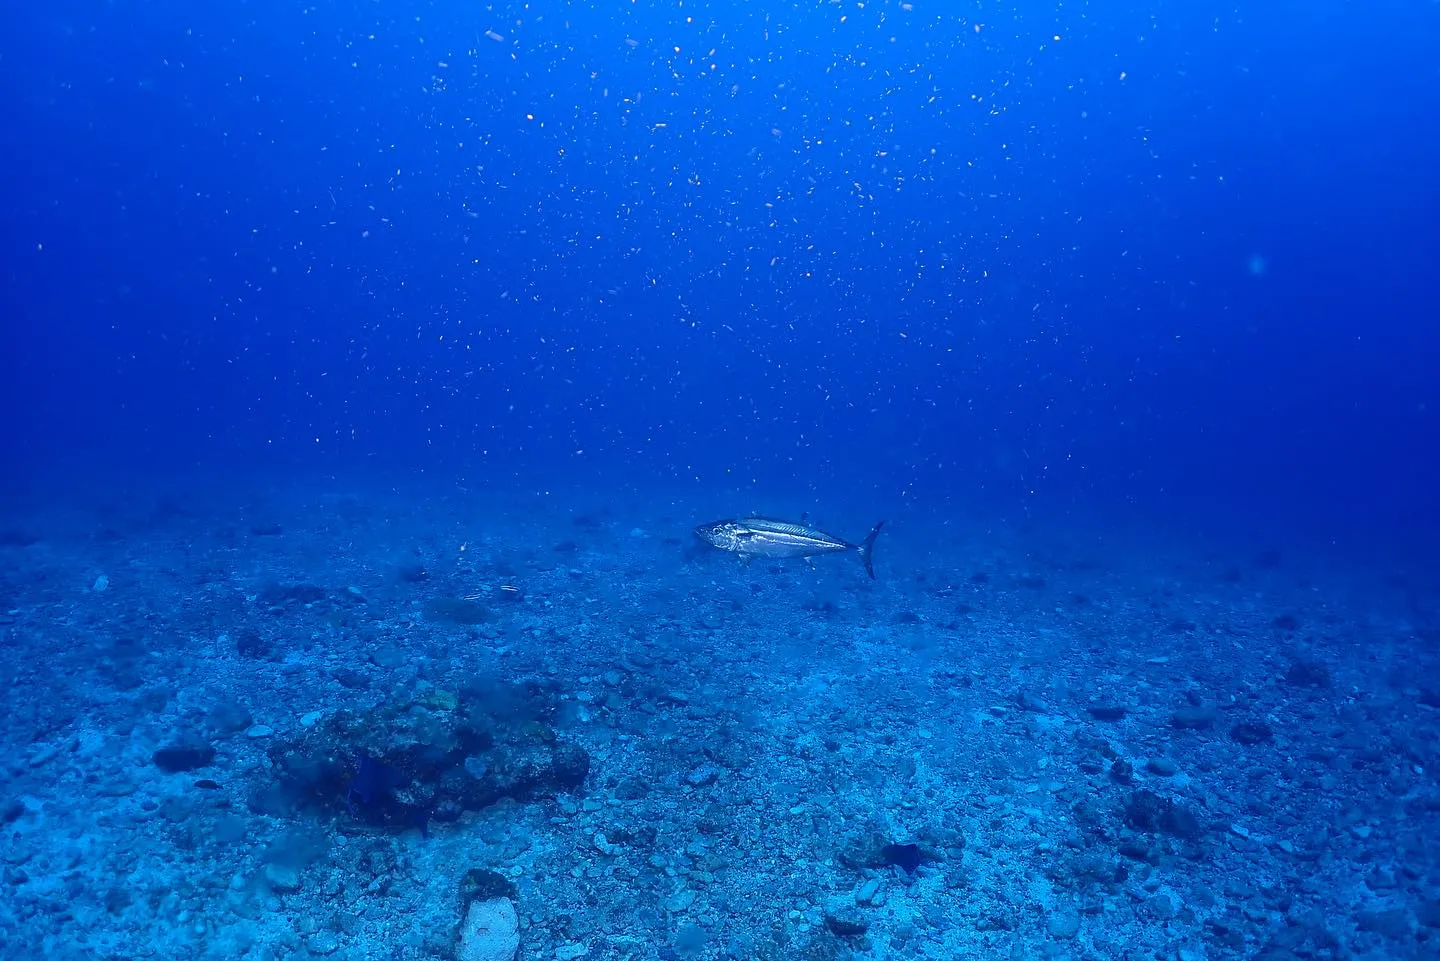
(367, 366)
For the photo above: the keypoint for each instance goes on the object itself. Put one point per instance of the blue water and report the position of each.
(368, 366)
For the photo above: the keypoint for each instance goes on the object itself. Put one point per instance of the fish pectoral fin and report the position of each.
(745, 559)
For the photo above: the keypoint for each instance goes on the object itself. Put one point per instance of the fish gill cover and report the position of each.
(367, 367)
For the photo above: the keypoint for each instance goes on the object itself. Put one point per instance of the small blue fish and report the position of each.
(374, 786)
(373, 783)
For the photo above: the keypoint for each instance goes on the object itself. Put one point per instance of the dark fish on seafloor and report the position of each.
(375, 786)
(761, 537)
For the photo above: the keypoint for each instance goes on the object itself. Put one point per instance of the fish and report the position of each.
(752, 537)
(375, 786)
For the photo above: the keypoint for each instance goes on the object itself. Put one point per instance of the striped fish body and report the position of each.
(762, 537)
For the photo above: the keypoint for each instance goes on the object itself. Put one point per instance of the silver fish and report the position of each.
(762, 537)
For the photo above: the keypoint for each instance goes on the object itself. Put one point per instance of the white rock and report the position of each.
(44, 755)
(323, 942)
(282, 877)
(680, 901)
(259, 731)
(491, 932)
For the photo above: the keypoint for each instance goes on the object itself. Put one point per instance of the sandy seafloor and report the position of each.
(1015, 743)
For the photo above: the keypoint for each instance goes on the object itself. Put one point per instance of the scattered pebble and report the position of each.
(1162, 767)
(1062, 925)
(43, 755)
(283, 878)
(323, 943)
(680, 901)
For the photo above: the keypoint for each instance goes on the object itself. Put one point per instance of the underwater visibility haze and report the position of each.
(440, 438)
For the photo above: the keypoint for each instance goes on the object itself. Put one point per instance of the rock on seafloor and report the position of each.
(490, 932)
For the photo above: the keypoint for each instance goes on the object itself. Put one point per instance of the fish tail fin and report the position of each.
(867, 549)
